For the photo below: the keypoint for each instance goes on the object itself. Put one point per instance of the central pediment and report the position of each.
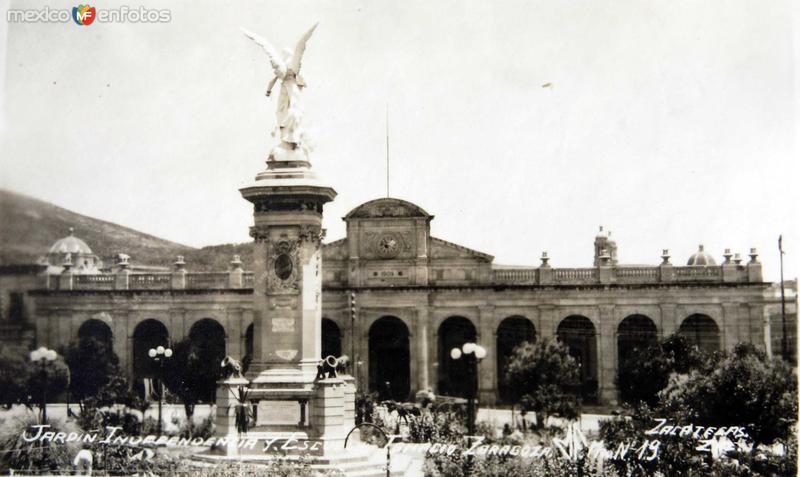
(388, 208)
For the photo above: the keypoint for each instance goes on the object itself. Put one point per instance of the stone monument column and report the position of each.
(287, 260)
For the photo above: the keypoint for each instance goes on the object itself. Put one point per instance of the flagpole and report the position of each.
(387, 149)
(784, 346)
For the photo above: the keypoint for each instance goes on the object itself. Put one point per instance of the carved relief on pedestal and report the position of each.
(283, 270)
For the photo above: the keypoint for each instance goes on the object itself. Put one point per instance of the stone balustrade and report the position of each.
(603, 274)
(665, 273)
(149, 281)
(94, 282)
(179, 279)
(574, 275)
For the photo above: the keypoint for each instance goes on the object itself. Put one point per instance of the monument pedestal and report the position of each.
(296, 409)
(312, 425)
(293, 412)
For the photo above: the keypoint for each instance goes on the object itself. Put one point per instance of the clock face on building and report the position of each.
(388, 246)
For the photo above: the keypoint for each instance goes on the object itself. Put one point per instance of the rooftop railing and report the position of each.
(604, 274)
(732, 273)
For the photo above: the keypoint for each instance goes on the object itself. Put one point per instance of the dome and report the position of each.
(701, 258)
(70, 244)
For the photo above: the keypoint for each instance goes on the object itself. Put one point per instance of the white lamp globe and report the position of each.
(168, 352)
(152, 353)
(455, 353)
(160, 350)
(36, 354)
(469, 348)
(480, 352)
(51, 355)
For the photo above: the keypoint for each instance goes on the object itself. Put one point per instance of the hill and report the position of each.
(30, 226)
(218, 258)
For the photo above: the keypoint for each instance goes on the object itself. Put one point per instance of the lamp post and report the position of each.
(159, 354)
(42, 357)
(353, 316)
(784, 345)
(472, 353)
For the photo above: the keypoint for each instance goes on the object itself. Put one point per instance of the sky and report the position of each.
(521, 125)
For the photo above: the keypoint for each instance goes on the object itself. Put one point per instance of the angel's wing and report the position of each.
(300, 48)
(274, 59)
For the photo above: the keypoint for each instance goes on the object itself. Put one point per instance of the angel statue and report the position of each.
(287, 69)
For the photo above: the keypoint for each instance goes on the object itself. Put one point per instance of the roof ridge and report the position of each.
(461, 247)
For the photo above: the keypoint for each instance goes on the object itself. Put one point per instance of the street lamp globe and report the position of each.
(168, 352)
(469, 348)
(160, 350)
(43, 354)
(152, 353)
(480, 352)
(455, 353)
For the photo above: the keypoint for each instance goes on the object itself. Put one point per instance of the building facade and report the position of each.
(399, 299)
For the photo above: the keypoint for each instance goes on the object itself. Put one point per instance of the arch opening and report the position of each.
(512, 332)
(389, 359)
(331, 338)
(702, 331)
(150, 333)
(578, 334)
(634, 332)
(207, 338)
(97, 330)
(455, 377)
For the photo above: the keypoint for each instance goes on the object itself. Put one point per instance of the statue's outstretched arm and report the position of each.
(271, 85)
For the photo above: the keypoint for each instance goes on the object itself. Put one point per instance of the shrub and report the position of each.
(205, 429)
(14, 377)
(37, 455)
(365, 406)
(48, 380)
(126, 460)
(456, 464)
(444, 424)
(647, 371)
(101, 384)
(99, 419)
(540, 376)
(745, 389)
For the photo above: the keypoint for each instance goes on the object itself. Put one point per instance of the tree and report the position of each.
(96, 376)
(745, 389)
(542, 378)
(14, 377)
(47, 380)
(648, 370)
(192, 375)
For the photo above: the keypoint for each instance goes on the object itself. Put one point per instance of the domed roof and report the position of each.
(701, 258)
(70, 244)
